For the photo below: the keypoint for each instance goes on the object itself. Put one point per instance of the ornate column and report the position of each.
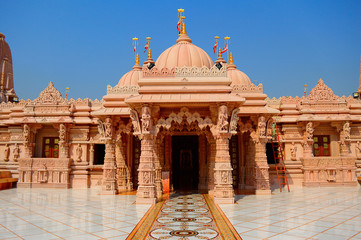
(109, 168)
(146, 177)
(63, 141)
(211, 160)
(202, 183)
(345, 135)
(121, 164)
(158, 168)
(28, 141)
(308, 141)
(223, 189)
(261, 165)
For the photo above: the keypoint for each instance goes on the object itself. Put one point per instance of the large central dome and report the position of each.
(183, 53)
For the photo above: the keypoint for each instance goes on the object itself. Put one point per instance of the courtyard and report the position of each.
(303, 213)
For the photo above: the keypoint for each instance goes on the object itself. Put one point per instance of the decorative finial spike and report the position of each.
(149, 53)
(231, 58)
(219, 53)
(137, 58)
(183, 26)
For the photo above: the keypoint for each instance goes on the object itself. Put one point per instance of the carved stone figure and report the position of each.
(79, 152)
(6, 153)
(309, 131)
(62, 132)
(108, 127)
(101, 128)
(146, 119)
(262, 126)
(347, 130)
(234, 120)
(293, 151)
(16, 152)
(223, 118)
(135, 121)
(26, 134)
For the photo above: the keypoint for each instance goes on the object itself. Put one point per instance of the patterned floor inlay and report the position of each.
(192, 216)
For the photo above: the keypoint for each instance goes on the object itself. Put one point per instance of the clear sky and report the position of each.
(86, 45)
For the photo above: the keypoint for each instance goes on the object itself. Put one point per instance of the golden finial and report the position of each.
(219, 53)
(67, 92)
(231, 58)
(305, 92)
(137, 58)
(149, 53)
(183, 26)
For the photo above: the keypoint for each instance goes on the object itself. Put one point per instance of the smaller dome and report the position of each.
(238, 77)
(132, 77)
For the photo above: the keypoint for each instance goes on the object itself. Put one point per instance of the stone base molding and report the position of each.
(44, 172)
(329, 171)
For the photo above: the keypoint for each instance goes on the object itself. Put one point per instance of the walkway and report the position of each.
(314, 213)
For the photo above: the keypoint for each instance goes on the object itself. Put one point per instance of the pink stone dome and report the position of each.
(238, 77)
(132, 77)
(183, 53)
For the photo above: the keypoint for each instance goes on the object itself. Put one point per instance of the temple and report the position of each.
(199, 123)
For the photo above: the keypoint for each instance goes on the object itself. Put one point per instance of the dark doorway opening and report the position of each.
(99, 154)
(185, 163)
(269, 152)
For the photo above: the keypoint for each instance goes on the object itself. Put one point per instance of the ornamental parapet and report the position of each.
(251, 88)
(122, 89)
(185, 72)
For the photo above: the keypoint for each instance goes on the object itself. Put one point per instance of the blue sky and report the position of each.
(86, 45)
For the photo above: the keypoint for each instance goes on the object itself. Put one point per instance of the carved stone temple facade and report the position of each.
(202, 124)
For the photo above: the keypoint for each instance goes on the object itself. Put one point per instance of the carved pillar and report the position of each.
(158, 168)
(308, 141)
(91, 154)
(223, 189)
(202, 184)
(121, 164)
(63, 141)
(261, 168)
(146, 177)
(109, 168)
(261, 165)
(345, 134)
(211, 161)
(28, 141)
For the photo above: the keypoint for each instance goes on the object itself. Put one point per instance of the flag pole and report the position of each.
(135, 44)
(227, 43)
(305, 93)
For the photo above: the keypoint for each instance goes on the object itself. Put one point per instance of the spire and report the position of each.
(183, 37)
(231, 64)
(183, 26)
(136, 65)
(220, 58)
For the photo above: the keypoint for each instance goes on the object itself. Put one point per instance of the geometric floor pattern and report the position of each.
(303, 213)
(189, 216)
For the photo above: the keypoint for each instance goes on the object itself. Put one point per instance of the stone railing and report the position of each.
(320, 171)
(44, 172)
(252, 88)
(122, 89)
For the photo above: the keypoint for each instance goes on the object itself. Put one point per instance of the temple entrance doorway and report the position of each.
(185, 163)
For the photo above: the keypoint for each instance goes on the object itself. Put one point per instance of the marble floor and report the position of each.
(304, 213)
